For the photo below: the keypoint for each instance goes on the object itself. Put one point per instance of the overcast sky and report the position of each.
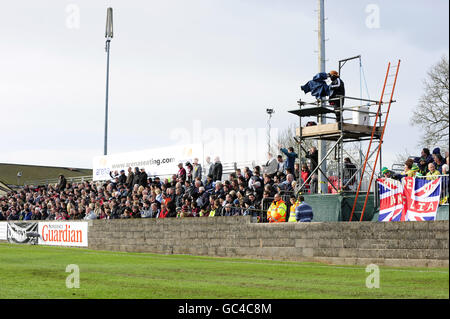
(208, 65)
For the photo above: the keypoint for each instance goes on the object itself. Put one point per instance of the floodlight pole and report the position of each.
(108, 36)
(269, 127)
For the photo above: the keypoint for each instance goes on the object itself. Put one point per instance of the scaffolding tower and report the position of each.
(343, 132)
(337, 133)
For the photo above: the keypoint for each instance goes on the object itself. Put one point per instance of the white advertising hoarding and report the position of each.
(3, 227)
(159, 161)
(63, 233)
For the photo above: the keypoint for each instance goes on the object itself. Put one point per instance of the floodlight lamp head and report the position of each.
(270, 111)
(109, 24)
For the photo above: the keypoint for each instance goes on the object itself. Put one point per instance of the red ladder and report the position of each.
(379, 114)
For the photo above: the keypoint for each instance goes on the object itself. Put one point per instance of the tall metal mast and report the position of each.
(321, 145)
(108, 36)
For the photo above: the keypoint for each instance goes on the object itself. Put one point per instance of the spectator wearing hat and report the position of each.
(390, 174)
(436, 151)
(337, 89)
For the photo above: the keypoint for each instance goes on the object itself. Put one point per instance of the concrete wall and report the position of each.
(422, 244)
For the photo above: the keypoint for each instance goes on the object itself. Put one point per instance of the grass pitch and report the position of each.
(39, 272)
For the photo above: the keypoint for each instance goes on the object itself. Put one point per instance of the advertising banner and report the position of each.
(157, 162)
(63, 233)
(3, 230)
(22, 233)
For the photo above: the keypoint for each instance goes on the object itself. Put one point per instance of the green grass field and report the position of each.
(40, 272)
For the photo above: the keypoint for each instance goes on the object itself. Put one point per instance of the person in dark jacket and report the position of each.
(181, 173)
(189, 171)
(303, 212)
(143, 178)
(313, 155)
(130, 178)
(337, 89)
(290, 157)
(122, 177)
(136, 176)
(349, 171)
(62, 183)
(425, 153)
(217, 170)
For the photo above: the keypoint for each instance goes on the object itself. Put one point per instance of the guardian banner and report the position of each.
(63, 233)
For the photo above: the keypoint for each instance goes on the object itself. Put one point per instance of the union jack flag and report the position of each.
(413, 199)
(422, 199)
(391, 200)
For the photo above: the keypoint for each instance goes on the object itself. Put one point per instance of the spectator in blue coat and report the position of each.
(303, 212)
(290, 157)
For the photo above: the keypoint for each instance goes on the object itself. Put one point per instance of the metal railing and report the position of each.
(46, 181)
(443, 200)
(227, 169)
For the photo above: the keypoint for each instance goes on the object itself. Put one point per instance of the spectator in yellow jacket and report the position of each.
(277, 210)
(433, 172)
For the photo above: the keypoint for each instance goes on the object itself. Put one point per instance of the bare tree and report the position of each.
(286, 139)
(431, 114)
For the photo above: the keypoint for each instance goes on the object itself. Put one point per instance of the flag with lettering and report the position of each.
(422, 198)
(391, 200)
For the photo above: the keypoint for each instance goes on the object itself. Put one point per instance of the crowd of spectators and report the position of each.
(192, 192)
(195, 191)
(428, 165)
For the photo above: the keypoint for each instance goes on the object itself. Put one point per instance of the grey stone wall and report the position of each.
(422, 244)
